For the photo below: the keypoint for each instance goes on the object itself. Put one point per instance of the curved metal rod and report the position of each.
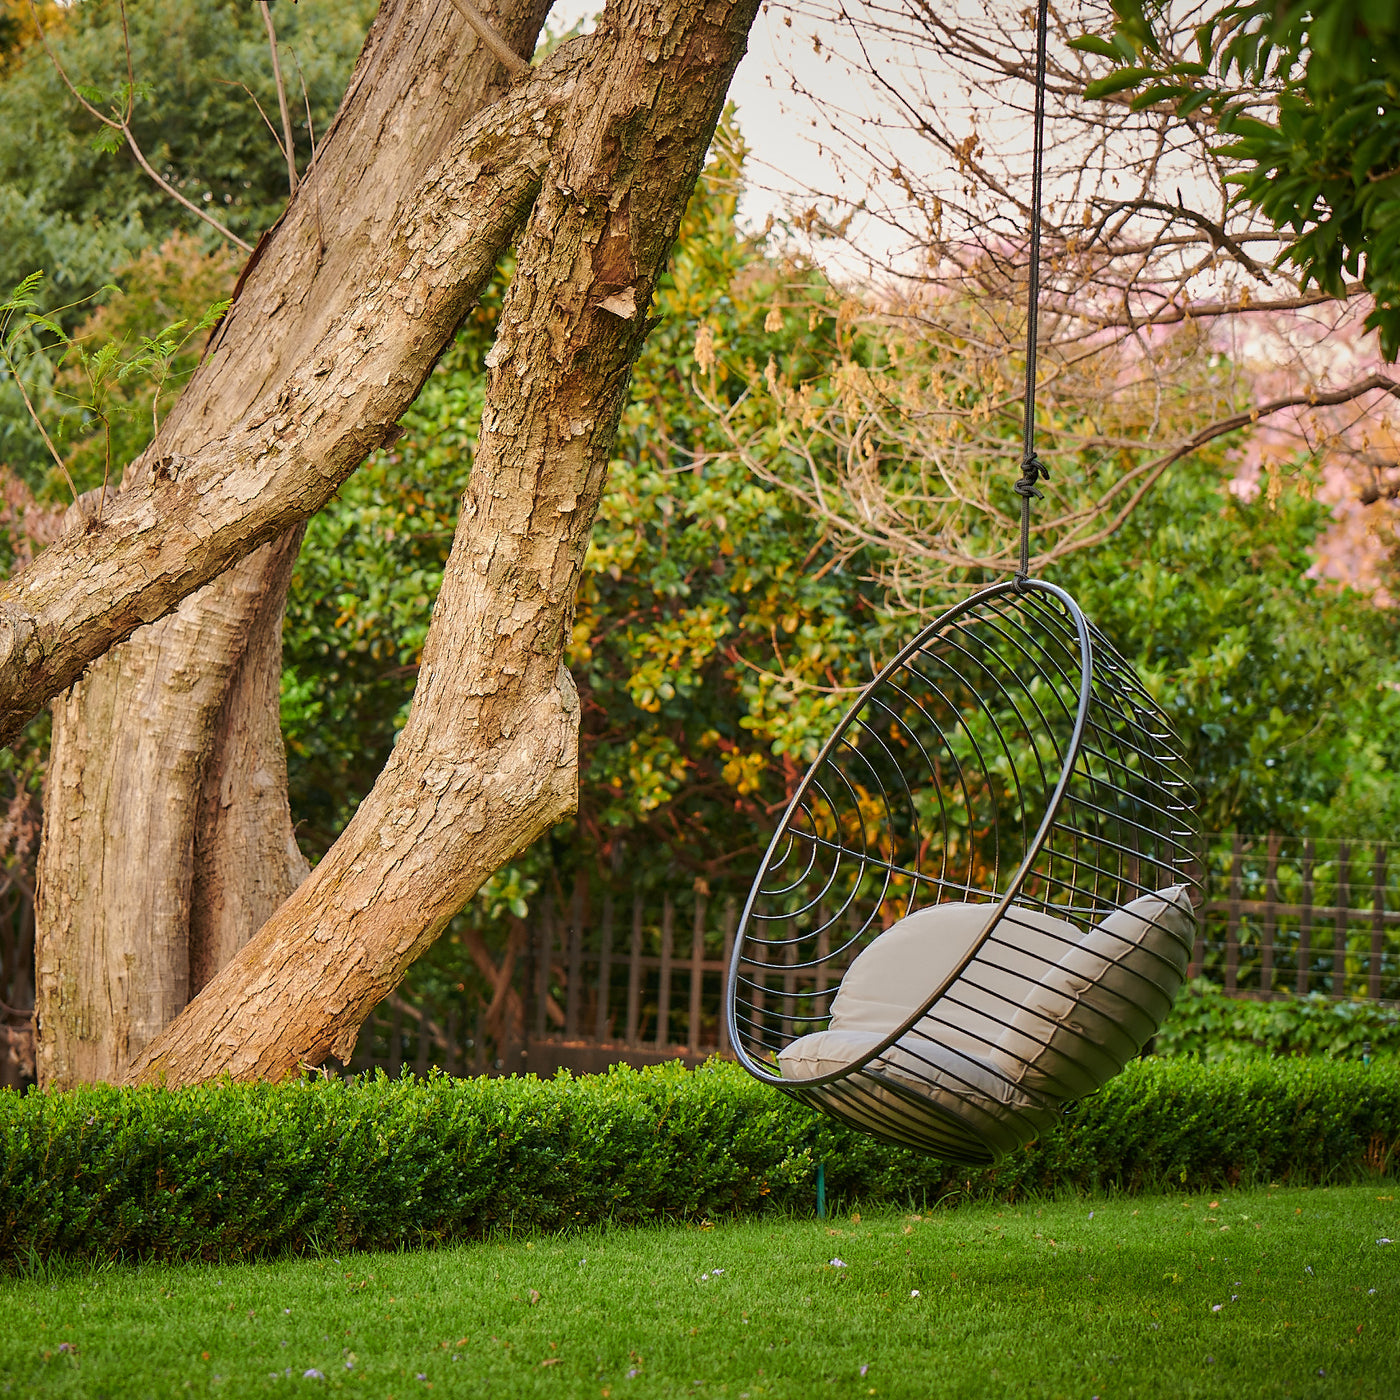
(1026, 587)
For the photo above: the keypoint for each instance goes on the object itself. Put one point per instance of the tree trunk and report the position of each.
(488, 758)
(340, 314)
(245, 859)
(169, 840)
(130, 750)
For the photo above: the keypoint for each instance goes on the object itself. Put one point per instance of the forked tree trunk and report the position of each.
(131, 746)
(341, 313)
(488, 758)
(245, 860)
(168, 839)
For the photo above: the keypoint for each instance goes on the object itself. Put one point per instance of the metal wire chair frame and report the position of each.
(1163, 811)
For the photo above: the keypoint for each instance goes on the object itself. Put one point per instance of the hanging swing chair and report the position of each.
(977, 907)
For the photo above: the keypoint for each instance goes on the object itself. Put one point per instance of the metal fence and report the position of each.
(1282, 916)
(615, 974)
(643, 984)
(1299, 915)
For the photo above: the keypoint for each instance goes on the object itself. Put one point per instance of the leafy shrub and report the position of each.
(229, 1171)
(1209, 1025)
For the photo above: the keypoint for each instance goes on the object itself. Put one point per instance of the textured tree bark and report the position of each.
(342, 311)
(245, 860)
(204, 749)
(488, 758)
(112, 919)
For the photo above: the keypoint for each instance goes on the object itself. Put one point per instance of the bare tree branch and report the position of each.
(287, 144)
(490, 36)
(123, 125)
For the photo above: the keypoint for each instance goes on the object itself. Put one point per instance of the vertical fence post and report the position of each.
(600, 1025)
(663, 988)
(396, 1042)
(730, 920)
(1373, 988)
(1232, 928)
(544, 944)
(575, 957)
(1305, 924)
(1339, 926)
(697, 968)
(634, 972)
(1266, 966)
(420, 1061)
(363, 1057)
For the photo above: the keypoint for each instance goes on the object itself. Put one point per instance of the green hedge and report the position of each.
(1208, 1024)
(228, 1171)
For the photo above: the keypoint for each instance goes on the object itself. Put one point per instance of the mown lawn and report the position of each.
(1263, 1293)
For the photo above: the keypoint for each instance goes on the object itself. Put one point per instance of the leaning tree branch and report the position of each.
(183, 519)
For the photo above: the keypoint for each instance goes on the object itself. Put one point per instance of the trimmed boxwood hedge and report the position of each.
(1212, 1026)
(236, 1171)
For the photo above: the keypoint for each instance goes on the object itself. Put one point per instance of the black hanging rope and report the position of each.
(1032, 468)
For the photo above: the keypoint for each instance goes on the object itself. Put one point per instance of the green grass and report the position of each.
(1249, 1294)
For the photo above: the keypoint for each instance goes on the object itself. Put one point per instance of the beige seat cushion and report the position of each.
(901, 969)
(1043, 1014)
(948, 1059)
(960, 1086)
(1104, 999)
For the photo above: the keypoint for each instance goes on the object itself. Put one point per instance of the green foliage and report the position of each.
(1208, 1025)
(193, 117)
(1285, 688)
(107, 383)
(80, 210)
(227, 1171)
(1327, 165)
(716, 635)
(713, 631)
(179, 287)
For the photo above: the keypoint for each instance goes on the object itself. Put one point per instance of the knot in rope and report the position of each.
(1032, 471)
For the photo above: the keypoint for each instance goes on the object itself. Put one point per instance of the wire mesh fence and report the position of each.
(1301, 915)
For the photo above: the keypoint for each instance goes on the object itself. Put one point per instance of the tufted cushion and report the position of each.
(1042, 1014)
(957, 1085)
